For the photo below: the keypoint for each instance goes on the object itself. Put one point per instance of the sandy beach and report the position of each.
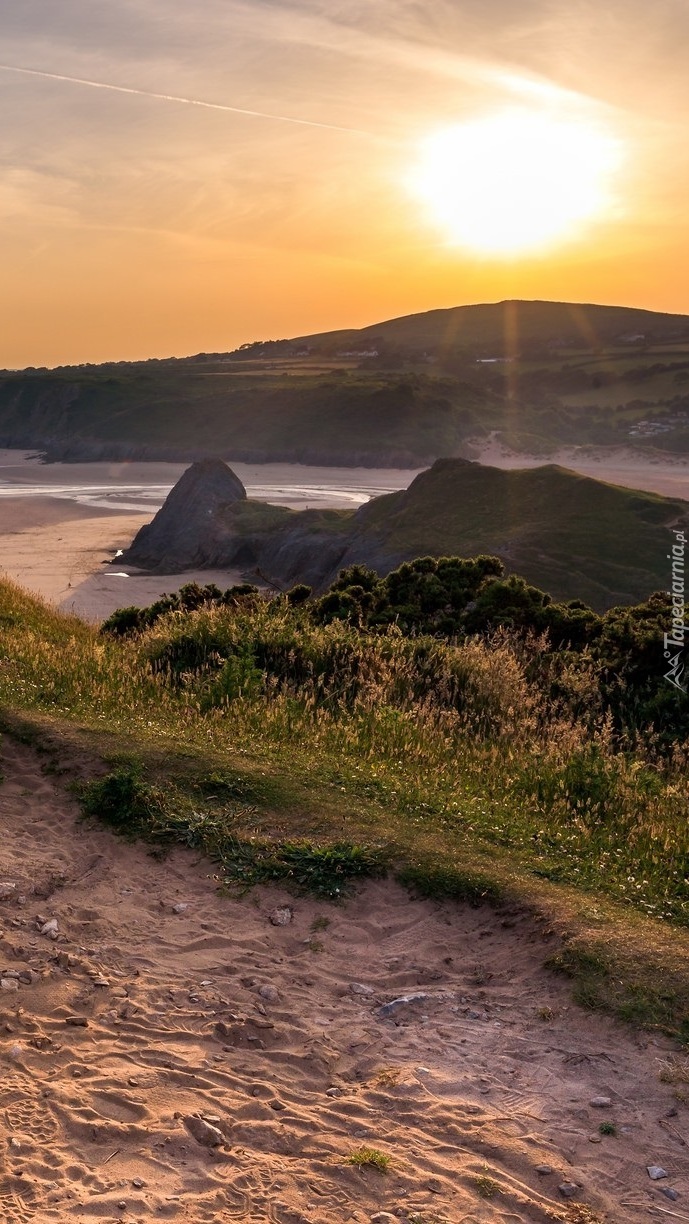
(169, 1053)
(61, 525)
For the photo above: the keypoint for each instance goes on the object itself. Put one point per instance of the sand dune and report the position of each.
(160, 1004)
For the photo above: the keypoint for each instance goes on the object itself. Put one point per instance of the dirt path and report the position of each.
(160, 1000)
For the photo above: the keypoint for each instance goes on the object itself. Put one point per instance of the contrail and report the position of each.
(218, 106)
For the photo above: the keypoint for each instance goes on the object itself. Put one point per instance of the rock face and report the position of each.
(194, 525)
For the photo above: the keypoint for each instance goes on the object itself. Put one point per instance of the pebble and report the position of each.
(7, 890)
(137, 1183)
(49, 927)
(180, 908)
(389, 1009)
(203, 1132)
(9, 984)
(384, 1217)
(122, 1205)
(15, 1144)
(101, 981)
(77, 1021)
(281, 915)
(655, 1172)
(673, 1195)
(544, 1169)
(600, 1102)
(358, 988)
(270, 993)
(567, 1189)
(595, 1139)
(334, 1092)
(435, 1185)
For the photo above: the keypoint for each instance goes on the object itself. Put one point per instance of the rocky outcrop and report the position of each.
(554, 527)
(195, 525)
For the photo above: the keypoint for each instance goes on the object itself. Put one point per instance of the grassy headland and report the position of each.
(288, 739)
(571, 535)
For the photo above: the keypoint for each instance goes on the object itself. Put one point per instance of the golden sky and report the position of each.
(323, 183)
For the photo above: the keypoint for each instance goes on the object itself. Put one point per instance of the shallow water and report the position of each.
(144, 486)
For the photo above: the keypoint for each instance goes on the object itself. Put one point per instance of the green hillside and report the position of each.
(571, 535)
(184, 412)
(511, 325)
(399, 393)
(577, 537)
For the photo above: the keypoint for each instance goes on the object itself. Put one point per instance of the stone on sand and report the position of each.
(396, 1005)
(203, 1132)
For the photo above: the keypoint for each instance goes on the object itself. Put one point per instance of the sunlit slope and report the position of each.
(508, 325)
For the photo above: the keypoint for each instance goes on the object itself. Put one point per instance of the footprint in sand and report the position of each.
(24, 1114)
(16, 1198)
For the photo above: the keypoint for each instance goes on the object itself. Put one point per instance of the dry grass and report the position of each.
(484, 787)
(673, 1070)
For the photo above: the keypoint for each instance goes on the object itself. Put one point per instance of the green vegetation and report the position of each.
(479, 760)
(370, 1158)
(608, 1128)
(400, 393)
(576, 537)
(486, 1186)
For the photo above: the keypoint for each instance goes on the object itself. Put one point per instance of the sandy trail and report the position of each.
(274, 1035)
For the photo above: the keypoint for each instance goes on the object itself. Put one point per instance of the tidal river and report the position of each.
(143, 487)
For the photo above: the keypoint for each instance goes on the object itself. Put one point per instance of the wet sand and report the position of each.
(63, 552)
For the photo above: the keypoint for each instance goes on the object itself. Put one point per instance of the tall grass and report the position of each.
(425, 743)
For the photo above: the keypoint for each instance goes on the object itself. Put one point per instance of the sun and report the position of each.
(516, 181)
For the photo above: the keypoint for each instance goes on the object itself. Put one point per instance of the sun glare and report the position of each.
(516, 181)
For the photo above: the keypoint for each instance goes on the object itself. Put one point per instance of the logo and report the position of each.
(673, 642)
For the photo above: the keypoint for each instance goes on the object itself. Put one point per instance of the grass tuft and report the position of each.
(486, 1186)
(123, 801)
(370, 1158)
(327, 872)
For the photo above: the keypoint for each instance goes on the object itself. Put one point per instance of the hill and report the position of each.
(576, 537)
(511, 327)
(569, 534)
(399, 393)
